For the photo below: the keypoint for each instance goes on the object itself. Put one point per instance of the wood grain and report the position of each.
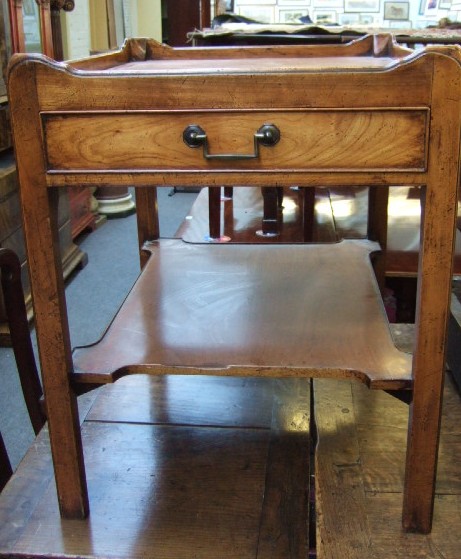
(433, 300)
(284, 529)
(158, 488)
(198, 468)
(223, 289)
(47, 287)
(310, 140)
(187, 400)
(342, 523)
(360, 474)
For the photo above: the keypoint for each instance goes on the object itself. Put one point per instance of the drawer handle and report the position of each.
(194, 136)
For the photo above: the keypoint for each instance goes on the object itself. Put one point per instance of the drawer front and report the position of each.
(310, 140)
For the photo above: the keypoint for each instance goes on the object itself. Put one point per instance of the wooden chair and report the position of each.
(23, 352)
(251, 309)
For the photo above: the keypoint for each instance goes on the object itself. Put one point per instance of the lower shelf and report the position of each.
(254, 310)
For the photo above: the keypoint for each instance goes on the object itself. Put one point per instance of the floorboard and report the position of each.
(229, 476)
(224, 477)
(359, 476)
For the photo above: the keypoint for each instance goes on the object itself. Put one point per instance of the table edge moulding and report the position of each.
(132, 117)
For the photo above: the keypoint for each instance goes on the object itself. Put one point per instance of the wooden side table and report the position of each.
(290, 115)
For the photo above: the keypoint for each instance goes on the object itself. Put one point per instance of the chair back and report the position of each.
(13, 295)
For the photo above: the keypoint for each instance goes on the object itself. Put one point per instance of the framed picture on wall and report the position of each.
(261, 14)
(290, 15)
(430, 7)
(222, 6)
(444, 4)
(361, 5)
(368, 19)
(325, 17)
(397, 11)
(294, 3)
(254, 2)
(349, 19)
(400, 24)
(328, 3)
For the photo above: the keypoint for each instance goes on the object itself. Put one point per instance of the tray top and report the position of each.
(148, 57)
(254, 65)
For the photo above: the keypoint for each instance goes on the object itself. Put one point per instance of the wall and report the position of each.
(148, 19)
(76, 36)
(84, 29)
(377, 13)
(99, 36)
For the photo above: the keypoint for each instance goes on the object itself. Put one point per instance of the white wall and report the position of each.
(76, 33)
(353, 12)
(141, 18)
(146, 18)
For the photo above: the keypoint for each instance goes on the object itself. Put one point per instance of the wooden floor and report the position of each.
(206, 467)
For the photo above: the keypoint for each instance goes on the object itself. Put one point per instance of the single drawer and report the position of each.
(310, 140)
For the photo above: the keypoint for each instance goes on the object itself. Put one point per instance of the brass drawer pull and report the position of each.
(268, 135)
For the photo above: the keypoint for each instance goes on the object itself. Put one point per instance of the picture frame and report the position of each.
(422, 23)
(453, 14)
(325, 17)
(444, 4)
(396, 11)
(349, 19)
(255, 2)
(223, 6)
(294, 3)
(398, 24)
(430, 8)
(262, 14)
(290, 15)
(327, 4)
(357, 6)
(368, 19)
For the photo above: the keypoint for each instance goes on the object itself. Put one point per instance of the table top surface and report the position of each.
(255, 65)
(148, 57)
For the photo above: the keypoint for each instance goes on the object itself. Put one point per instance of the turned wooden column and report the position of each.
(56, 31)
(45, 27)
